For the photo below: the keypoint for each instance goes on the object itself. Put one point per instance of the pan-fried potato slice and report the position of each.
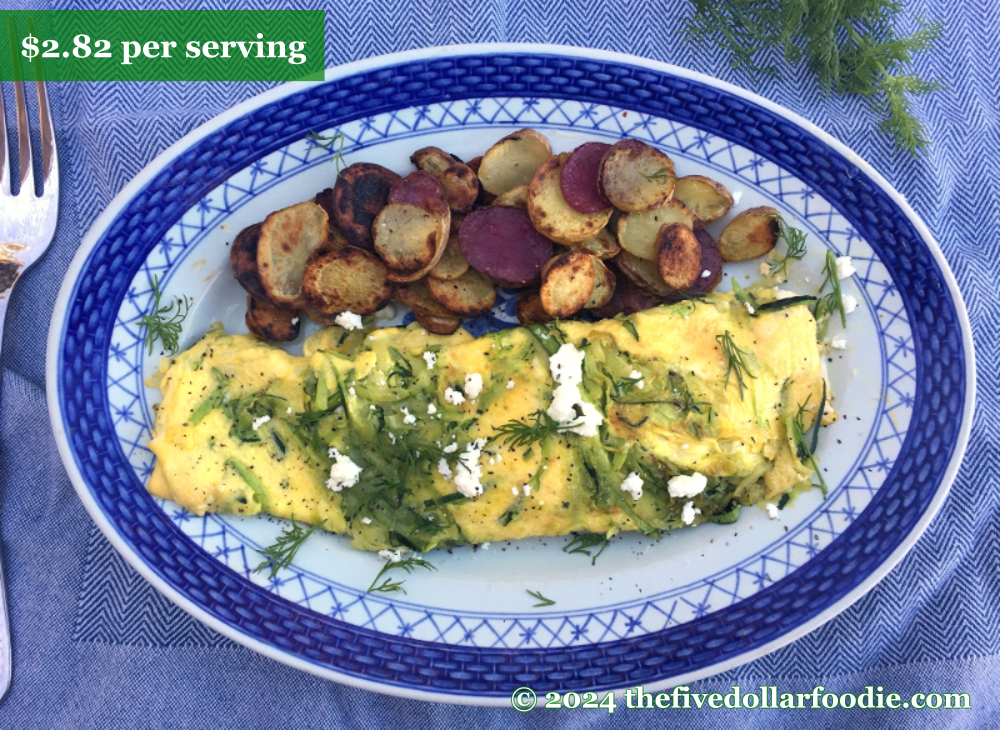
(327, 320)
(437, 325)
(552, 216)
(628, 298)
(707, 199)
(568, 283)
(335, 240)
(406, 237)
(635, 176)
(637, 231)
(515, 197)
(470, 295)
(644, 274)
(529, 308)
(417, 296)
(604, 285)
(452, 263)
(603, 245)
(678, 256)
(243, 260)
(751, 234)
(349, 280)
(360, 193)
(289, 239)
(271, 323)
(460, 183)
(513, 161)
(425, 191)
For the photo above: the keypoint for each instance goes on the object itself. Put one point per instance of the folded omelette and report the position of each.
(399, 438)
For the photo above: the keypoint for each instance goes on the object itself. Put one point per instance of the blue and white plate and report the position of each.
(653, 613)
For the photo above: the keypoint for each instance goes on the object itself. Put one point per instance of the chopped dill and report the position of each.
(518, 434)
(797, 431)
(734, 361)
(327, 143)
(282, 552)
(543, 601)
(584, 542)
(795, 242)
(661, 176)
(391, 586)
(161, 324)
(832, 302)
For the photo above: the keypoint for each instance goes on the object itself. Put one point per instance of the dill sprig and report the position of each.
(685, 400)
(584, 542)
(796, 429)
(282, 552)
(327, 143)
(834, 301)
(795, 242)
(543, 601)
(852, 46)
(391, 586)
(161, 324)
(518, 434)
(734, 361)
(661, 176)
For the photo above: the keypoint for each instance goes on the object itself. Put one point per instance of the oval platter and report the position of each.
(656, 613)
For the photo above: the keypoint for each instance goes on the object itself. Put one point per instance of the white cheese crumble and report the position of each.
(772, 510)
(450, 448)
(343, 472)
(468, 470)
(431, 409)
(455, 397)
(408, 418)
(784, 293)
(844, 267)
(566, 367)
(683, 486)
(258, 422)
(295, 321)
(689, 512)
(850, 304)
(636, 375)
(351, 390)
(473, 385)
(764, 269)
(633, 485)
(390, 555)
(349, 320)
(366, 520)
(839, 343)
(515, 491)
(484, 546)
(510, 384)
(749, 308)
(431, 359)
(527, 490)
(288, 410)
(737, 195)
(705, 274)
(443, 469)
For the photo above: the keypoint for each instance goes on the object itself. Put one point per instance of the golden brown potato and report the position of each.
(460, 182)
(349, 280)
(271, 323)
(360, 193)
(513, 161)
(635, 176)
(425, 191)
(707, 199)
(452, 263)
(604, 245)
(678, 256)
(571, 281)
(515, 197)
(406, 237)
(469, 295)
(529, 308)
(637, 231)
(644, 274)
(552, 216)
(417, 296)
(243, 260)
(327, 320)
(604, 285)
(751, 234)
(437, 325)
(289, 239)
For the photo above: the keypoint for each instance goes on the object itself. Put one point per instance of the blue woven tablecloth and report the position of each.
(95, 646)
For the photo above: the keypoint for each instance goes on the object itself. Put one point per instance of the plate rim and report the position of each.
(149, 172)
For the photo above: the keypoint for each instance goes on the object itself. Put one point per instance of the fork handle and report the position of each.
(6, 665)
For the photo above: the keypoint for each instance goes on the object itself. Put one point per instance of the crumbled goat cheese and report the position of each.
(351, 390)
(431, 409)
(839, 343)
(288, 410)
(764, 269)
(343, 473)
(527, 490)
(408, 418)
(850, 304)
(515, 491)
(349, 320)
(705, 274)
(737, 195)
(484, 546)
(443, 469)
(772, 510)
(451, 448)
(295, 321)
(684, 486)
(258, 422)
(455, 397)
(510, 384)
(844, 267)
(688, 513)
(390, 555)
(468, 470)
(366, 520)
(784, 293)
(749, 308)
(566, 367)
(633, 485)
(473, 385)
(392, 438)
(431, 359)
(636, 375)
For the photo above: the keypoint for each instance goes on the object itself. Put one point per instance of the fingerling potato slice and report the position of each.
(461, 186)
(243, 260)
(637, 231)
(572, 281)
(707, 199)
(452, 263)
(514, 198)
(644, 274)
(711, 264)
(425, 191)
(580, 180)
(529, 309)
(501, 242)
(552, 216)
(349, 280)
(271, 323)
(289, 239)
(751, 234)
(437, 325)
(335, 240)
(678, 256)
(635, 176)
(603, 245)
(417, 296)
(513, 161)
(406, 237)
(604, 284)
(469, 295)
(360, 193)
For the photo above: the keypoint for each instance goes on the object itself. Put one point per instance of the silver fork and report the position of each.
(27, 225)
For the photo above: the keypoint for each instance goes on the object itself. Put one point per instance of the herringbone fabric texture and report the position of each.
(95, 646)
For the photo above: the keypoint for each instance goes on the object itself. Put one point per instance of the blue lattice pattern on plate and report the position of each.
(935, 353)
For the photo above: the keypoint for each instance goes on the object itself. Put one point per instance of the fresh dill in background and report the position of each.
(391, 586)
(282, 552)
(851, 45)
(164, 323)
(327, 143)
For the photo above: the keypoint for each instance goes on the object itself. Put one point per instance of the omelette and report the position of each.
(670, 417)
